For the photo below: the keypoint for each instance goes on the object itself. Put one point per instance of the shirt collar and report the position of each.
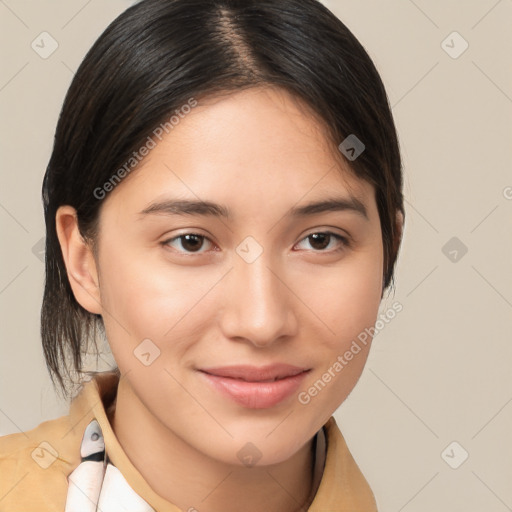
(342, 486)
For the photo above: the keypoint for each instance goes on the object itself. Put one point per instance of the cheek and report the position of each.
(350, 305)
(346, 300)
(131, 299)
(144, 298)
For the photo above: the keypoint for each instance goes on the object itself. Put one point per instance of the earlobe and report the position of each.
(399, 231)
(399, 225)
(79, 260)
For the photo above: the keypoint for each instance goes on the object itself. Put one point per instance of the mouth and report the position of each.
(269, 373)
(253, 387)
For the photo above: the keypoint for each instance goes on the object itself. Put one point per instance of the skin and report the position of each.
(259, 152)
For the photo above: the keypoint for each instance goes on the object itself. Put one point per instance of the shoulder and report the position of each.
(343, 485)
(34, 466)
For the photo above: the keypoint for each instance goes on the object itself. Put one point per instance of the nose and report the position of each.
(258, 303)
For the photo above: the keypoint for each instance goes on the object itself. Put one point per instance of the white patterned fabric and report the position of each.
(96, 484)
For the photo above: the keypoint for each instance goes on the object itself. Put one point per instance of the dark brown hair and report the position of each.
(149, 62)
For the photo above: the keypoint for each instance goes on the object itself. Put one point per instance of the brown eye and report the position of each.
(322, 240)
(319, 240)
(189, 242)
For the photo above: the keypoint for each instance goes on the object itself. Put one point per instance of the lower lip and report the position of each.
(257, 395)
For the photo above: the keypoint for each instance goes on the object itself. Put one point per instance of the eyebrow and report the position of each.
(211, 209)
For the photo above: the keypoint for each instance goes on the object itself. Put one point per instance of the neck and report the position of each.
(200, 482)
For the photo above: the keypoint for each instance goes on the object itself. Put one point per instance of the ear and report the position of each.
(79, 260)
(399, 225)
(399, 222)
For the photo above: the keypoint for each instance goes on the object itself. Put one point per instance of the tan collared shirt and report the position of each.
(75, 462)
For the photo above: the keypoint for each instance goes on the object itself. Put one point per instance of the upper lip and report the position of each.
(254, 373)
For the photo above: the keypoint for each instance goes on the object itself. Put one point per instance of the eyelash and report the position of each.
(345, 242)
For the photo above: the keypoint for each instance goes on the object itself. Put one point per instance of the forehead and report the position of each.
(260, 144)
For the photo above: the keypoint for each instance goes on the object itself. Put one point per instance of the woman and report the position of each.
(224, 205)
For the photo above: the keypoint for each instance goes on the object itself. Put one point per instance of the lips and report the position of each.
(256, 388)
(248, 373)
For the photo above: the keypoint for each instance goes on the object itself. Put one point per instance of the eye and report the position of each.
(189, 242)
(322, 240)
(192, 243)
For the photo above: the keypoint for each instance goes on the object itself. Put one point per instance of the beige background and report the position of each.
(440, 371)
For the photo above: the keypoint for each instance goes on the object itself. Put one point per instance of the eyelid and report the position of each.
(165, 243)
(344, 240)
(329, 230)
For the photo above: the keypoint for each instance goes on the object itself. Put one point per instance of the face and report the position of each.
(189, 290)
